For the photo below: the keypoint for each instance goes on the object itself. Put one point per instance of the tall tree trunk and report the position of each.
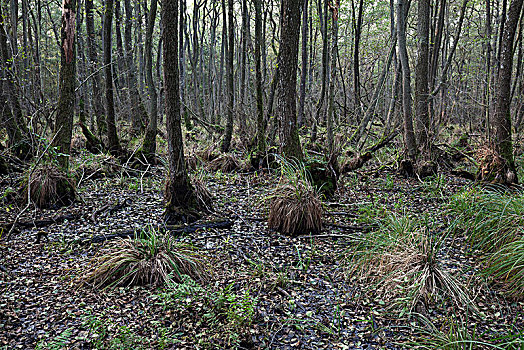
(261, 128)
(421, 79)
(112, 137)
(331, 95)
(226, 142)
(303, 72)
(502, 119)
(357, 24)
(138, 111)
(66, 100)
(181, 202)
(92, 50)
(409, 134)
(149, 145)
(19, 135)
(287, 104)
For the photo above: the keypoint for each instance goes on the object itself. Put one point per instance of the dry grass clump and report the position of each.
(150, 258)
(492, 167)
(399, 262)
(47, 187)
(295, 209)
(203, 195)
(226, 163)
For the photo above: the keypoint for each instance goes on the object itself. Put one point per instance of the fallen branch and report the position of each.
(359, 160)
(174, 230)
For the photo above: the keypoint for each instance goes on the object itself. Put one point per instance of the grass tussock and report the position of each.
(400, 263)
(203, 195)
(295, 205)
(47, 186)
(226, 163)
(295, 210)
(493, 221)
(150, 258)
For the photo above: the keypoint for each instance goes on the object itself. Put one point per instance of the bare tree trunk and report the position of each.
(261, 128)
(502, 119)
(96, 103)
(181, 202)
(226, 142)
(357, 24)
(149, 144)
(303, 73)
(112, 137)
(287, 108)
(138, 111)
(331, 95)
(409, 134)
(421, 79)
(66, 100)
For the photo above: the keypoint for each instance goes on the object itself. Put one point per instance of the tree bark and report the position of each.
(92, 50)
(409, 134)
(149, 145)
(181, 202)
(287, 109)
(112, 137)
(421, 79)
(226, 142)
(261, 140)
(502, 119)
(66, 100)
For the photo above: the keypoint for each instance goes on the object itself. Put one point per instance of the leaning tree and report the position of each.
(182, 204)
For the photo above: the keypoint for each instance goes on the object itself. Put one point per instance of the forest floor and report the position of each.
(278, 291)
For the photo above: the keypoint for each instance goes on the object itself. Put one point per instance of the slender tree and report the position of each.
(287, 108)
(149, 145)
(502, 119)
(421, 78)
(181, 202)
(409, 134)
(226, 142)
(66, 101)
(112, 137)
(261, 142)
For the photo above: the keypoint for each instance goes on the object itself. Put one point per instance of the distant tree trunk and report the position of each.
(409, 134)
(92, 50)
(226, 142)
(331, 95)
(18, 132)
(502, 119)
(357, 24)
(182, 63)
(421, 79)
(149, 145)
(181, 202)
(287, 108)
(112, 137)
(323, 15)
(243, 68)
(66, 100)
(261, 129)
(303, 72)
(138, 111)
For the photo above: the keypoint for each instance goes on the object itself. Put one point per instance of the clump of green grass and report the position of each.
(147, 259)
(400, 262)
(493, 221)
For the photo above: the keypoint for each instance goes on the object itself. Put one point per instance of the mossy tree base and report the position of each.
(324, 176)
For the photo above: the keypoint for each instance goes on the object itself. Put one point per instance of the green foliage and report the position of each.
(228, 311)
(492, 220)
